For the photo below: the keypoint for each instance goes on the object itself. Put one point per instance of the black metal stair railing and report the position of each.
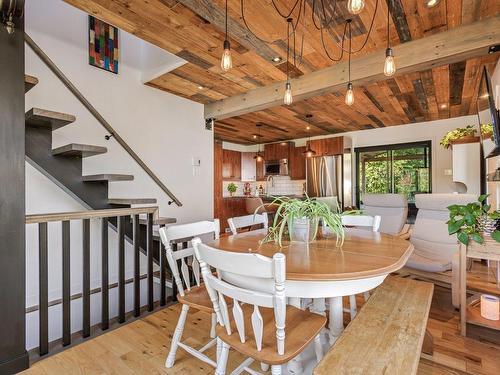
(121, 215)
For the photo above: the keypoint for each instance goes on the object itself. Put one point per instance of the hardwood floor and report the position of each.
(141, 347)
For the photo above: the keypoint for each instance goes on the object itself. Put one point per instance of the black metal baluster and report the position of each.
(86, 278)
(121, 269)
(104, 275)
(163, 269)
(43, 293)
(149, 249)
(137, 267)
(66, 282)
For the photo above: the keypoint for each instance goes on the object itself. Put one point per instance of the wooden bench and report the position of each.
(386, 336)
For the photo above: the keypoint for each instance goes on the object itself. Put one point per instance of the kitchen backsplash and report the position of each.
(280, 185)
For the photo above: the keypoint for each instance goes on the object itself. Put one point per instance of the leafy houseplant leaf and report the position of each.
(478, 238)
(496, 235)
(463, 238)
(453, 227)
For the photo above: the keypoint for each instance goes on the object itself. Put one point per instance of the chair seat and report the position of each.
(197, 298)
(426, 264)
(301, 328)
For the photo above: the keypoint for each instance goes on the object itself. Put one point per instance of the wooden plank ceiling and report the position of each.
(193, 30)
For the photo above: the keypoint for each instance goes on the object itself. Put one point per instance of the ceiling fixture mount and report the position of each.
(309, 153)
(258, 156)
(277, 59)
(226, 61)
(431, 3)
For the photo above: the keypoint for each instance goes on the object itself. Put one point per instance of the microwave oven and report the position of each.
(276, 167)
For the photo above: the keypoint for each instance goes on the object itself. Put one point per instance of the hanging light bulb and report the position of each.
(288, 94)
(259, 157)
(389, 66)
(309, 153)
(227, 61)
(355, 6)
(349, 96)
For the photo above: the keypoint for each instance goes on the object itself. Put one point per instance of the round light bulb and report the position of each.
(355, 6)
(259, 158)
(349, 95)
(226, 62)
(389, 66)
(288, 99)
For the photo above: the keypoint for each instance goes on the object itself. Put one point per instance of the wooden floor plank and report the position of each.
(141, 347)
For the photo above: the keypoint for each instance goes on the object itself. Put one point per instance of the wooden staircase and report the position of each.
(63, 165)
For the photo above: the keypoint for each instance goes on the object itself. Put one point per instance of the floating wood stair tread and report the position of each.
(107, 177)
(48, 119)
(29, 82)
(76, 149)
(131, 201)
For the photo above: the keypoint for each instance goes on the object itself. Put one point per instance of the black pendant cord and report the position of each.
(287, 49)
(388, 14)
(350, 42)
(226, 19)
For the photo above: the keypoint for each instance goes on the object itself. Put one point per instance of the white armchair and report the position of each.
(392, 208)
(435, 250)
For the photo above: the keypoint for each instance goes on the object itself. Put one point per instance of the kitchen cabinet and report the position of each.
(231, 207)
(248, 166)
(231, 165)
(277, 151)
(297, 163)
(328, 146)
(260, 171)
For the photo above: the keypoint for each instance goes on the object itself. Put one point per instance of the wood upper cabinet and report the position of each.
(248, 166)
(260, 172)
(277, 151)
(297, 164)
(231, 165)
(328, 146)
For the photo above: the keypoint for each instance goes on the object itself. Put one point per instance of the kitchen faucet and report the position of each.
(270, 178)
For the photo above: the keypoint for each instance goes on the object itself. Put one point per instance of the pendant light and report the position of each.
(288, 99)
(309, 153)
(226, 61)
(355, 6)
(349, 96)
(258, 156)
(389, 65)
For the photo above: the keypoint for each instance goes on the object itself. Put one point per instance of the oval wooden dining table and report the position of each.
(322, 270)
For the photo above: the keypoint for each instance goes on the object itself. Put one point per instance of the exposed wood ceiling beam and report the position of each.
(442, 48)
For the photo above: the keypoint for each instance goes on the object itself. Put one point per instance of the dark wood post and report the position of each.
(13, 355)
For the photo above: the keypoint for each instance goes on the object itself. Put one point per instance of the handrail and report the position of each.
(65, 80)
(90, 214)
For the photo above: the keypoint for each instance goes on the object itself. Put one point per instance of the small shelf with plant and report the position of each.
(470, 222)
(466, 135)
(298, 220)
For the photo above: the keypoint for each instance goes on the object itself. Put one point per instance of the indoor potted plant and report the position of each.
(231, 187)
(299, 219)
(473, 220)
(466, 135)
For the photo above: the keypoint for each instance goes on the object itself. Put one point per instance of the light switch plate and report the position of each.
(196, 161)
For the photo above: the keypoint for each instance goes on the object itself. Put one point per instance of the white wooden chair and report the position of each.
(360, 221)
(189, 296)
(239, 222)
(260, 320)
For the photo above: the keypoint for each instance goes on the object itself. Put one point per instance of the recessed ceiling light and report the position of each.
(443, 106)
(255, 136)
(276, 59)
(283, 143)
(200, 87)
(431, 3)
(308, 127)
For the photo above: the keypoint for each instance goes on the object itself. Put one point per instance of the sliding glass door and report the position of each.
(400, 168)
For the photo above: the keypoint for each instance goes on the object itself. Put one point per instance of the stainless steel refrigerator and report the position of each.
(325, 178)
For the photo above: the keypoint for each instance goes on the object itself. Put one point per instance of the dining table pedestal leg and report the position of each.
(336, 318)
(295, 365)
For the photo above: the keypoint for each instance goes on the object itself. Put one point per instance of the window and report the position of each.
(401, 168)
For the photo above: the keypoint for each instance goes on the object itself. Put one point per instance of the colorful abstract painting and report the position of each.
(103, 45)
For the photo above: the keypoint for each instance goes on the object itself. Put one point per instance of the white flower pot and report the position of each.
(303, 230)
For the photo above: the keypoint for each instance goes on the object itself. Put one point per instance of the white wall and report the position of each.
(164, 130)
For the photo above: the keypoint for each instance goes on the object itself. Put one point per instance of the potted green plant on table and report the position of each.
(472, 221)
(298, 219)
(231, 187)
